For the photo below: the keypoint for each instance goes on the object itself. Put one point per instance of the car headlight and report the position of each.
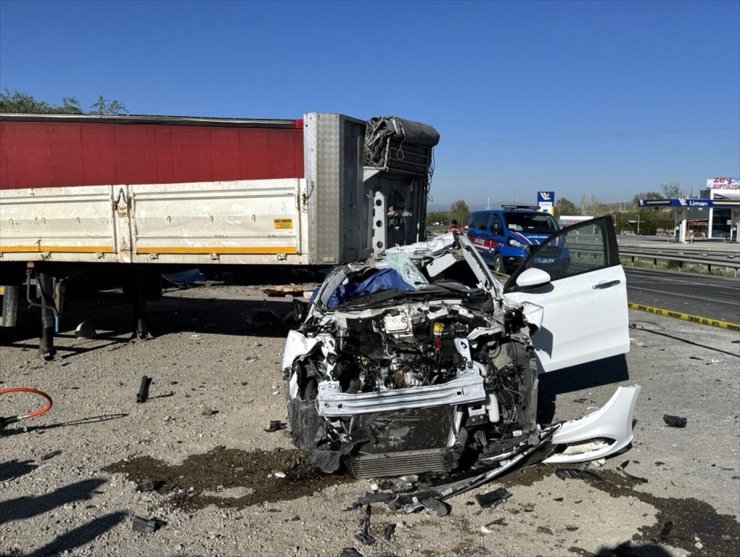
(515, 243)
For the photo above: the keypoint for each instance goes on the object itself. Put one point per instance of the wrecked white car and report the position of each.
(419, 362)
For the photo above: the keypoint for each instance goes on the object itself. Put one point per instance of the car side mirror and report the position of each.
(532, 277)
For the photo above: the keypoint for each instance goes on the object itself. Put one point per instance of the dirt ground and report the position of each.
(199, 460)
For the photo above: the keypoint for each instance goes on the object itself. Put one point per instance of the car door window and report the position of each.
(578, 249)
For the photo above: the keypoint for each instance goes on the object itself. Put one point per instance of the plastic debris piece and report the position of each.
(389, 531)
(379, 497)
(544, 530)
(275, 425)
(439, 507)
(50, 454)
(364, 538)
(621, 470)
(279, 474)
(493, 498)
(326, 461)
(674, 421)
(578, 474)
(349, 552)
(498, 522)
(146, 525)
(85, 330)
(143, 393)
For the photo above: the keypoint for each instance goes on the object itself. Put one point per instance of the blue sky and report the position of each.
(602, 98)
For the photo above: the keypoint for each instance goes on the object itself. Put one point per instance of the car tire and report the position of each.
(498, 264)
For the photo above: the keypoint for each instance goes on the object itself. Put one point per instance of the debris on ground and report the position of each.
(545, 530)
(326, 461)
(349, 552)
(208, 411)
(275, 425)
(493, 498)
(674, 421)
(282, 291)
(143, 393)
(434, 504)
(146, 525)
(50, 454)
(363, 534)
(577, 474)
(389, 531)
(621, 470)
(85, 330)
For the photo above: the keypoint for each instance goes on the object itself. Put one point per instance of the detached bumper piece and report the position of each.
(605, 432)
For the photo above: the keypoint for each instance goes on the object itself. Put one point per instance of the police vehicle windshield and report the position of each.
(533, 223)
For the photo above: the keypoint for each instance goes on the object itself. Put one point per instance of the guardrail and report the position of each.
(710, 258)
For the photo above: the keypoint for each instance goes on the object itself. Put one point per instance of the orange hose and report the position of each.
(42, 394)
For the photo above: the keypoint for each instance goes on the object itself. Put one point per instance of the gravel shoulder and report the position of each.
(217, 384)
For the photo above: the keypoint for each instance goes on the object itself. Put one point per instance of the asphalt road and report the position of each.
(702, 295)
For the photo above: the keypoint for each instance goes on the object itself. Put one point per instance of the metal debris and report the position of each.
(146, 525)
(621, 470)
(349, 552)
(363, 534)
(275, 425)
(493, 498)
(389, 531)
(578, 474)
(674, 421)
(439, 507)
(143, 393)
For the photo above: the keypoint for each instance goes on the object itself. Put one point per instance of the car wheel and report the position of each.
(498, 264)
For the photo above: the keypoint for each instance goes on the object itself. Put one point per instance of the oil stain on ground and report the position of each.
(685, 523)
(230, 477)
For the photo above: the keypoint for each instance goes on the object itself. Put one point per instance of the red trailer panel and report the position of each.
(48, 154)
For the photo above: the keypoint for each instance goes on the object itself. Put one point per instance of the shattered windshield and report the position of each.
(533, 223)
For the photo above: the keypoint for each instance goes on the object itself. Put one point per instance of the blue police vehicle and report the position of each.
(505, 236)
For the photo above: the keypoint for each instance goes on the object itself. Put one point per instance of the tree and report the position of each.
(103, 106)
(647, 195)
(460, 212)
(565, 206)
(672, 189)
(438, 216)
(23, 103)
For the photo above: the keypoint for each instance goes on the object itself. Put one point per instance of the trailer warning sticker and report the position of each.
(282, 223)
